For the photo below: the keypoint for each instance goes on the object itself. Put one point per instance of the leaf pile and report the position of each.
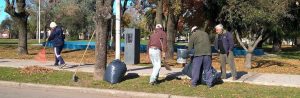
(35, 70)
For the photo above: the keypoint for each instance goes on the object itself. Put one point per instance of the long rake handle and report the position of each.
(46, 43)
(85, 51)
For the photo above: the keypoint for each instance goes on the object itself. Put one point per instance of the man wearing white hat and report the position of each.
(156, 46)
(57, 38)
(201, 60)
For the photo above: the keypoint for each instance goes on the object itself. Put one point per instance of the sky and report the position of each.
(3, 14)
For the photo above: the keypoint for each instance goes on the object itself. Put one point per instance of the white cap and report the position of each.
(219, 26)
(53, 25)
(193, 28)
(158, 26)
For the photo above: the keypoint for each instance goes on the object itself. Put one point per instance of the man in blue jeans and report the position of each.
(200, 42)
(156, 47)
(57, 38)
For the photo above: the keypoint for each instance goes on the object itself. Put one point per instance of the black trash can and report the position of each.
(115, 71)
(182, 55)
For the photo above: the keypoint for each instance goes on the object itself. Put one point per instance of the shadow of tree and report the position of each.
(268, 63)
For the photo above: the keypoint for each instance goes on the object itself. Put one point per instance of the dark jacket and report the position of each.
(57, 37)
(227, 40)
(200, 42)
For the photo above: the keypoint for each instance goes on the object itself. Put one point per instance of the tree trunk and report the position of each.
(248, 60)
(124, 6)
(101, 19)
(20, 18)
(276, 46)
(159, 11)
(47, 23)
(276, 43)
(249, 50)
(113, 39)
(171, 31)
(22, 43)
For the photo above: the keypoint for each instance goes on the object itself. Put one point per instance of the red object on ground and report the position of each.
(41, 56)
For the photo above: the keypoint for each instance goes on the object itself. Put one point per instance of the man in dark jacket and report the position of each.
(200, 42)
(224, 45)
(57, 38)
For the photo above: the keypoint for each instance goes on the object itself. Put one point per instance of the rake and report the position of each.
(75, 78)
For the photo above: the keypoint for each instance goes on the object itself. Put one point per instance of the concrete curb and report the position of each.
(94, 90)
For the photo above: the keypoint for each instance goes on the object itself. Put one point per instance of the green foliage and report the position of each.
(6, 24)
(9, 24)
(177, 6)
(247, 15)
(76, 16)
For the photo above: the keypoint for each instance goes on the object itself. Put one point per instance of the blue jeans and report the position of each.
(156, 62)
(200, 62)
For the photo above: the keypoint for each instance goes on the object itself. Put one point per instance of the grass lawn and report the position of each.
(140, 84)
(15, 41)
(290, 53)
(278, 65)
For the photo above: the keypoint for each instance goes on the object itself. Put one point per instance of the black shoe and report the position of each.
(154, 83)
(210, 86)
(55, 64)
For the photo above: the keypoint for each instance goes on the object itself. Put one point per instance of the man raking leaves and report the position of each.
(58, 39)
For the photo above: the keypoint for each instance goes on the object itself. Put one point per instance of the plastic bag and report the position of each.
(115, 71)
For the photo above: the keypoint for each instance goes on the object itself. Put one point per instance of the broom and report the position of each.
(41, 56)
(163, 58)
(75, 78)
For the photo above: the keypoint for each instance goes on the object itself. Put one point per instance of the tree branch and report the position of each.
(258, 39)
(239, 40)
(9, 8)
(7, 2)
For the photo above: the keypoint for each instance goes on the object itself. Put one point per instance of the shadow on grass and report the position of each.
(130, 76)
(4, 61)
(139, 68)
(69, 51)
(170, 77)
(268, 63)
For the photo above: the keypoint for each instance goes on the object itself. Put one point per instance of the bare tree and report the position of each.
(101, 19)
(20, 16)
(159, 11)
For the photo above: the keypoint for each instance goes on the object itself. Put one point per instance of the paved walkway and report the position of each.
(251, 78)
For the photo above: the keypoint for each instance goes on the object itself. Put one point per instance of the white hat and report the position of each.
(158, 26)
(53, 25)
(193, 28)
(219, 26)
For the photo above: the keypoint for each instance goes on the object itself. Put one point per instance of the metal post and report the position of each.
(37, 24)
(118, 29)
(39, 21)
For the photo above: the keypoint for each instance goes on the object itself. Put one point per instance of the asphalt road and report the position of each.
(35, 92)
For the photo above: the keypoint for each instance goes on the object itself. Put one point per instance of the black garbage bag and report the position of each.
(115, 71)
